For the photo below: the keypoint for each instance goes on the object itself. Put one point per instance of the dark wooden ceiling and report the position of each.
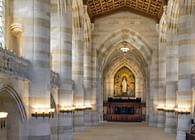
(150, 8)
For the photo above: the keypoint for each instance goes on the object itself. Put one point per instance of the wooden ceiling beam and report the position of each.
(125, 9)
(149, 5)
(85, 2)
(152, 8)
(136, 3)
(166, 2)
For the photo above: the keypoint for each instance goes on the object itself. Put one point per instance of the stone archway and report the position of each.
(129, 36)
(140, 90)
(11, 102)
(110, 60)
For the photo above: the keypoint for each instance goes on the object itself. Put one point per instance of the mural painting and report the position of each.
(124, 83)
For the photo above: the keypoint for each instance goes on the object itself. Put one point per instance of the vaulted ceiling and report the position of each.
(150, 8)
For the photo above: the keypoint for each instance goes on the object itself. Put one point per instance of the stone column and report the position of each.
(171, 80)
(87, 66)
(162, 66)
(54, 121)
(34, 15)
(186, 64)
(106, 87)
(61, 51)
(162, 82)
(139, 89)
(95, 95)
(77, 62)
(153, 96)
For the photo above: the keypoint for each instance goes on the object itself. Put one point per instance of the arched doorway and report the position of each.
(11, 103)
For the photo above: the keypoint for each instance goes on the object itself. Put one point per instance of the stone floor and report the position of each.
(123, 131)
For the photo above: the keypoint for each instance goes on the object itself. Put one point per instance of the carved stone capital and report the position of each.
(16, 29)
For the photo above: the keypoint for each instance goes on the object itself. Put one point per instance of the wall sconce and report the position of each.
(83, 108)
(88, 107)
(160, 107)
(166, 108)
(3, 116)
(179, 109)
(169, 109)
(43, 112)
(183, 110)
(67, 109)
(79, 108)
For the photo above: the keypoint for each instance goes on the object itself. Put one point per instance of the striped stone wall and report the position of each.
(58, 35)
(87, 75)
(153, 96)
(95, 119)
(139, 31)
(61, 52)
(171, 66)
(35, 18)
(186, 64)
(78, 61)
(124, 20)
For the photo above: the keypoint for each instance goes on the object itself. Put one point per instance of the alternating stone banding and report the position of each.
(61, 49)
(78, 61)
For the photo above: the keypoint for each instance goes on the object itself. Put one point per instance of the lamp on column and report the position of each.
(83, 107)
(3, 116)
(67, 109)
(79, 108)
(182, 109)
(160, 107)
(167, 108)
(43, 112)
(88, 107)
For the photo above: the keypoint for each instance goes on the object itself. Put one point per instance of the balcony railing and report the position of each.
(12, 64)
(55, 79)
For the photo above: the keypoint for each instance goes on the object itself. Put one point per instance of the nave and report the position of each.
(70, 64)
(123, 131)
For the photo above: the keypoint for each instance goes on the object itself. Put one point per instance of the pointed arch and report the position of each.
(139, 74)
(7, 89)
(130, 36)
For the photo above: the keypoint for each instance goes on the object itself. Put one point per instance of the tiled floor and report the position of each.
(123, 131)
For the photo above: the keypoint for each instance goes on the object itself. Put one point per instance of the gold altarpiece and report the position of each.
(124, 83)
